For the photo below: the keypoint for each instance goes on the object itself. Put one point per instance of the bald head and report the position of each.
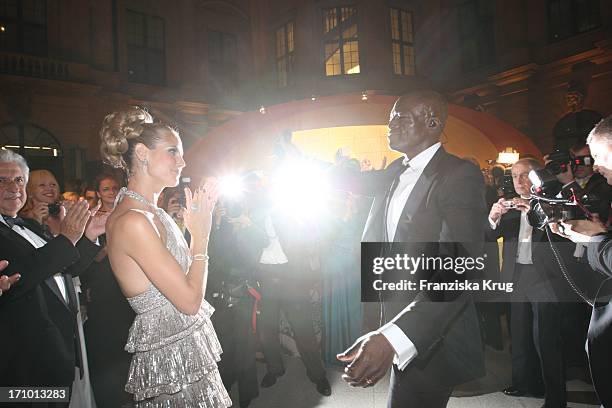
(417, 121)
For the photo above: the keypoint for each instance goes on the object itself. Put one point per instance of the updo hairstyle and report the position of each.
(122, 131)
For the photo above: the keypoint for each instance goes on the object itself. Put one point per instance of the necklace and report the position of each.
(134, 195)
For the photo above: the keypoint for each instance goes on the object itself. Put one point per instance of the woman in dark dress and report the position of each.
(109, 318)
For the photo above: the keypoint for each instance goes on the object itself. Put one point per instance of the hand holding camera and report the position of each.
(579, 230)
(503, 205)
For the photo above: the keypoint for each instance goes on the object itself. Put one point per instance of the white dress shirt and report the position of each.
(523, 252)
(273, 254)
(407, 181)
(405, 351)
(38, 242)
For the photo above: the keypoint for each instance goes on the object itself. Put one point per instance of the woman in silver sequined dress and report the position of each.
(174, 344)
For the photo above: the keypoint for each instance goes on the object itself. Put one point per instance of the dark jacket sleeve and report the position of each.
(462, 208)
(38, 265)
(599, 252)
(87, 252)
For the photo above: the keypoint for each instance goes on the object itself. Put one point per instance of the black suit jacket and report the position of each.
(37, 325)
(446, 205)
(599, 339)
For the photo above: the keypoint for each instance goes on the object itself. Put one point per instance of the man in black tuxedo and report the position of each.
(538, 288)
(285, 277)
(594, 233)
(428, 195)
(38, 315)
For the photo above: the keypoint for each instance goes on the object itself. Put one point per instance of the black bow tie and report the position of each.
(10, 221)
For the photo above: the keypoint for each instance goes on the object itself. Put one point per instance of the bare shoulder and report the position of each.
(129, 221)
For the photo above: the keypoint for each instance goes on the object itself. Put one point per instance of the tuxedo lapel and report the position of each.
(11, 235)
(52, 284)
(396, 169)
(419, 191)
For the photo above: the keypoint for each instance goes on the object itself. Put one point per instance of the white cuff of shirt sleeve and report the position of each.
(405, 351)
(493, 224)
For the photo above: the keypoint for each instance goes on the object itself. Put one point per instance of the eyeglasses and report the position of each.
(6, 181)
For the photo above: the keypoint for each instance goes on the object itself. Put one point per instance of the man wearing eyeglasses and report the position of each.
(38, 314)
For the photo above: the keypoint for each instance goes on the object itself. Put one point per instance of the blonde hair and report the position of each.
(122, 131)
(35, 177)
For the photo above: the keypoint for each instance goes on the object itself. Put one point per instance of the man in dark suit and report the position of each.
(285, 277)
(598, 239)
(428, 195)
(538, 287)
(38, 315)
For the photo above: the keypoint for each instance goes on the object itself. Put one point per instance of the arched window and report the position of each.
(29, 140)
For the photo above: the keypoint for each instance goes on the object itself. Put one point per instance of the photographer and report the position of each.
(579, 178)
(43, 205)
(535, 311)
(595, 235)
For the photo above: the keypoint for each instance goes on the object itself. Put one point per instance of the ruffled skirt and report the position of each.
(175, 360)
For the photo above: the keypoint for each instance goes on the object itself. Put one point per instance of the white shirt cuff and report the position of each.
(493, 224)
(405, 351)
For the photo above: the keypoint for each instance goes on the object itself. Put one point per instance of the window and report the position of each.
(222, 60)
(146, 48)
(476, 34)
(402, 42)
(29, 140)
(341, 42)
(285, 55)
(23, 26)
(567, 18)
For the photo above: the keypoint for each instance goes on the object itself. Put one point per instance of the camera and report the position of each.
(181, 191)
(54, 209)
(507, 185)
(561, 159)
(559, 162)
(546, 208)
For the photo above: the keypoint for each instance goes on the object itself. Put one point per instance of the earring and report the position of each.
(144, 163)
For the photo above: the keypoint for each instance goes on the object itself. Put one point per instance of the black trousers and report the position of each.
(410, 388)
(237, 365)
(281, 291)
(536, 338)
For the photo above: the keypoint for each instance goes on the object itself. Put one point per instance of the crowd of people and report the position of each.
(114, 286)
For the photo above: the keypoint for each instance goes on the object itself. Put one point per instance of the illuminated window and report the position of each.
(341, 41)
(567, 18)
(23, 26)
(402, 42)
(285, 54)
(146, 48)
(476, 33)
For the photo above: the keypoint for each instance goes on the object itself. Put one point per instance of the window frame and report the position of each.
(479, 37)
(401, 43)
(573, 16)
(227, 70)
(288, 57)
(327, 38)
(20, 23)
(146, 49)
